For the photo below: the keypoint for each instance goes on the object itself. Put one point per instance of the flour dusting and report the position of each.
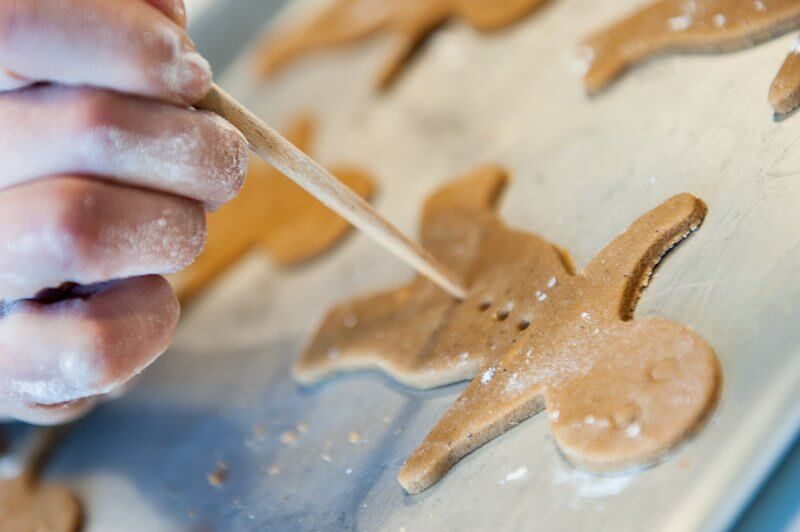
(518, 474)
(588, 486)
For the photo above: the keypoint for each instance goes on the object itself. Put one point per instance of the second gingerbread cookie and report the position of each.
(685, 26)
(532, 334)
(408, 21)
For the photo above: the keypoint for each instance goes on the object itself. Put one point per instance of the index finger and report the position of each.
(127, 45)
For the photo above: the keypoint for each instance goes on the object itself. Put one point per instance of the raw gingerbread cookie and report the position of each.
(532, 334)
(409, 22)
(684, 26)
(273, 213)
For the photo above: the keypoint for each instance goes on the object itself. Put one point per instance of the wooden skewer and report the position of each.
(303, 170)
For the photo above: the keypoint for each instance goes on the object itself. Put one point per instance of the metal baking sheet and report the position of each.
(326, 457)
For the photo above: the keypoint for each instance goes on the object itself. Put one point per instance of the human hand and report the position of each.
(104, 178)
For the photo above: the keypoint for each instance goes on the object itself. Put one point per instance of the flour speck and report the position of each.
(517, 474)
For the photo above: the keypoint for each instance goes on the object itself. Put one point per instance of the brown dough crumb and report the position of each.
(288, 437)
(682, 26)
(532, 334)
(408, 21)
(219, 476)
(272, 213)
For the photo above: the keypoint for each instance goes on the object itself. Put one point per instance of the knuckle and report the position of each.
(73, 224)
(93, 110)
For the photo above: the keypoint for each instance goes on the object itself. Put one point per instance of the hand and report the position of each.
(104, 178)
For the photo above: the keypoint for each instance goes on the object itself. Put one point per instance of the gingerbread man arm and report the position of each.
(623, 268)
(677, 25)
(489, 407)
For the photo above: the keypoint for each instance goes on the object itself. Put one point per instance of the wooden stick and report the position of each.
(303, 170)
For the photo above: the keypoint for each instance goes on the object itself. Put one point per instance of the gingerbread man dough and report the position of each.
(409, 21)
(532, 334)
(273, 213)
(686, 26)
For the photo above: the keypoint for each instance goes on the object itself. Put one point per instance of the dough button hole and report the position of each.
(524, 324)
(502, 315)
(484, 306)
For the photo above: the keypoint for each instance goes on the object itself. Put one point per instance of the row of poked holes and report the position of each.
(503, 314)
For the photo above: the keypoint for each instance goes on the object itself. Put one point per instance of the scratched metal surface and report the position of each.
(583, 170)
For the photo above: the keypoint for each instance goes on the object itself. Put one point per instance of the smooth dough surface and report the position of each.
(686, 26)
(532, 334)
(408, 21)
(274, 214)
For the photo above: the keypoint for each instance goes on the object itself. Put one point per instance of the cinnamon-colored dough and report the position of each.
(408, 21)
(784, 94)
(273, 213)
(27, 506)
(532, 334)
(685, 26)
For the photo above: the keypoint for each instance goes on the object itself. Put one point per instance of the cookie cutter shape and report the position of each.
(532, 334)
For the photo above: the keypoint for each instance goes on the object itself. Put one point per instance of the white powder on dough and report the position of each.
(681, 23)
(487, 375)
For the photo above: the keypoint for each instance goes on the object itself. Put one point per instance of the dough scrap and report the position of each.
(273, 213)
(532, 334)
(687, 26)
(27, 505)
(784, 93)
(408, 21)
